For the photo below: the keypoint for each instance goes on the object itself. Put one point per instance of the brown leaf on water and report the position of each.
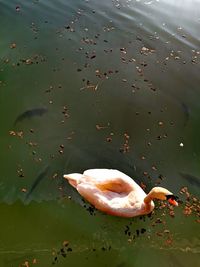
(13, 45)
(18, 134)
(100, 127)
(34, 261)
(24, 190)
(65, 243)
(143, 186)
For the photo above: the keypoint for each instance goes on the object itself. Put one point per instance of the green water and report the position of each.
(100, 70)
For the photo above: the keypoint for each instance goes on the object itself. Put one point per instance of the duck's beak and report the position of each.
(173, 202)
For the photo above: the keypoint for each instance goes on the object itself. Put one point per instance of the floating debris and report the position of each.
(100, 127)
(13, 45)
(19, 134)
(146, 51)
(17, 8)
(20, 173)
(125, 147)
(24, 190)
(63, 251)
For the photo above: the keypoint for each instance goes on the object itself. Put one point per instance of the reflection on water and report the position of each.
(76, 79)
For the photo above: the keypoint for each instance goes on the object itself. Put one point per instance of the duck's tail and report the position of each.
(73, 178)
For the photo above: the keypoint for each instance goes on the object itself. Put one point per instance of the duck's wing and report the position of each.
(109, 179)
(92, 194)
(106, 201)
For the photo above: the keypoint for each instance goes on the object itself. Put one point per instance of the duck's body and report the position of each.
(113, 192)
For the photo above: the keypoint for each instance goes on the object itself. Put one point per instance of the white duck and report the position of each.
(115, 193)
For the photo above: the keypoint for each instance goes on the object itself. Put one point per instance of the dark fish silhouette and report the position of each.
(35, 112)
(37, 181)
(193, 180)
(186, 111)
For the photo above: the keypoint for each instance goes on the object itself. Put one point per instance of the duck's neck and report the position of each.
(149, 198)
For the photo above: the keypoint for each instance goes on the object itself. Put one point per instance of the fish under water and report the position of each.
(35, 112)
(191, 179)
(37, 181)
(186, 111)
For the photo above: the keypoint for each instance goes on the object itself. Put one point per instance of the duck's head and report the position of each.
(162, 194)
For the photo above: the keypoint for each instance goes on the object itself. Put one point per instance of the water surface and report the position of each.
(119, 84)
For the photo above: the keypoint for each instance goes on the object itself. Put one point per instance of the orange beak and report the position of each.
(173, 202)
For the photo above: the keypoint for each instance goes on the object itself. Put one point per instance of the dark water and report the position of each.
(77, 78)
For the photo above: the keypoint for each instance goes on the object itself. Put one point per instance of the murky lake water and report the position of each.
(86, 84)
